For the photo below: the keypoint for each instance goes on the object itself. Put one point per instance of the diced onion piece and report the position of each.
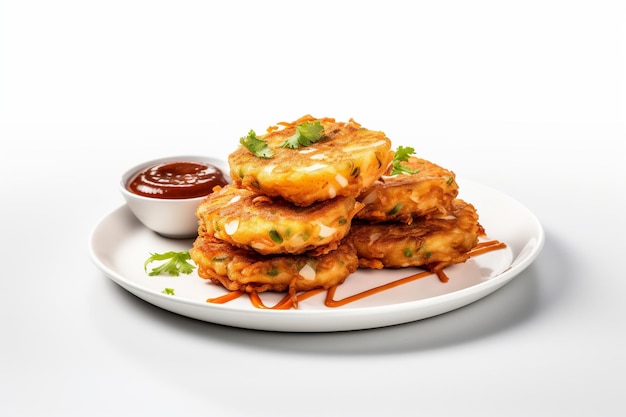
(370, 198)
(325, 231)
(234, 200)
(259, 246)
(313, 167)
(296, 241)
(341, 180)
(374, 237)
(231, 227)
(307, 272)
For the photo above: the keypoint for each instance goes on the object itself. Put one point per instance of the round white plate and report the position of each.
(119, 246)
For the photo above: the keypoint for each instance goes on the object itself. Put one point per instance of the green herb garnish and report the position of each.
(306, 134)
(177, 263)
(257, 146)
(402, 154)
(168, 291)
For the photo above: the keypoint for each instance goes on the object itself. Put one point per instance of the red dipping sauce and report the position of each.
(177, 180)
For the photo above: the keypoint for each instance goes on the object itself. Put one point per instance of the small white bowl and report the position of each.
(172, 218)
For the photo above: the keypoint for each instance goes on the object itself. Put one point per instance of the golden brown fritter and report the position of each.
(433, 242)
(272, 225)
(404, 196)
(244, 270)
(348, 159)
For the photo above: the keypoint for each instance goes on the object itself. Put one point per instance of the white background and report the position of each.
(526, 97)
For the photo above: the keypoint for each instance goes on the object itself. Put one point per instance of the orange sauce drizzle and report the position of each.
(484, 247)
(225, 298)
(331, 302)
(288, 302)
(285, 303)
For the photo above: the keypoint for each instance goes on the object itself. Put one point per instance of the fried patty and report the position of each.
(240, 269)
(272, 226)
(434, 242)
(346, 160)
(426, 189)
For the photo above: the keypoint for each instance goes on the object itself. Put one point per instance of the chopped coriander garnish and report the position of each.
(257, 146)
(306, 134)
(168, 291)
(177, 263)
(402, 154)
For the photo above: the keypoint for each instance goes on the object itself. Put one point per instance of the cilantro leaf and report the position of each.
(257, 146)
(168, 291)
(402, 154)
(306, 134)
(177, 263)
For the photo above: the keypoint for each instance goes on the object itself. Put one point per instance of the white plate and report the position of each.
(120, 245)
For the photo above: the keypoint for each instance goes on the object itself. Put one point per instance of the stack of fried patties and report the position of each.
(282, 224)
(412, 217)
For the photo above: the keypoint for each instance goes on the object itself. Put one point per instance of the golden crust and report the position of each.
(349, 159)
(405, 196)
(433, 242)
(244, 270)
(270, 226)
(307, 218)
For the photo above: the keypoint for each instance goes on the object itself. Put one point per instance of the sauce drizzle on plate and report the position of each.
(288, 302)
